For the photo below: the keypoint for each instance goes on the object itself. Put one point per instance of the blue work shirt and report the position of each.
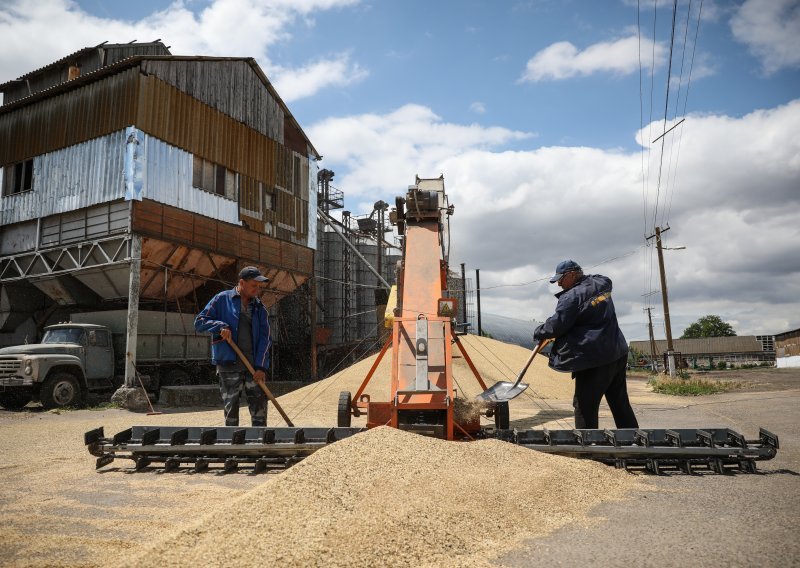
(223, 311)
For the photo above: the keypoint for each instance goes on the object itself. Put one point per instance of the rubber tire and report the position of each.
(175, 378)
(343, 411)
(58, 382)
(501, 416)
(11, 400)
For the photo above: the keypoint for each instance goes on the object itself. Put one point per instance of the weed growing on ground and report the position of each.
(691, 386)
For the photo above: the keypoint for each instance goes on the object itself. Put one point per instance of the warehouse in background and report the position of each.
(134, 179)
(787, 348)
(137, 180)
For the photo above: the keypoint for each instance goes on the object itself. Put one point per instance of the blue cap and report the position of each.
(563, 267)
(252, 273)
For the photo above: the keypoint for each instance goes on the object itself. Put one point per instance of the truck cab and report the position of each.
(71, 360)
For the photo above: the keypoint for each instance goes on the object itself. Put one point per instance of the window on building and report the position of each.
(213, 178)
(18, 178)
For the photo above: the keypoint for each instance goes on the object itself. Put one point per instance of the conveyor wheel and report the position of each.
(344, 410)
(501, 416)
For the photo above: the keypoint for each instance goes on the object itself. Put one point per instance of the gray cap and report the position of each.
(563, 267)
(252, 273)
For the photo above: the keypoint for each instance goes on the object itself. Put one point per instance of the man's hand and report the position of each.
(225, 333)
(259, 377)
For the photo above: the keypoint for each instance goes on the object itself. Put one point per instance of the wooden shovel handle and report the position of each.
(536, 350)
(252, 371)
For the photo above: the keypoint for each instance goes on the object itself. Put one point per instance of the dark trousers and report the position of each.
(230, 386)
(592, 384)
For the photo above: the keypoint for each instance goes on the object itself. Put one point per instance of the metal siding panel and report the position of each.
(68, 119)
(231, 87)
(73, 178)
(168, 180)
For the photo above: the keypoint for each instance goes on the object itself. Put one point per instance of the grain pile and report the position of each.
(495, 360)
(387, 497)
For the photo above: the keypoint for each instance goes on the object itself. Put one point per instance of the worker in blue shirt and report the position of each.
(239, 315)
(589, 344)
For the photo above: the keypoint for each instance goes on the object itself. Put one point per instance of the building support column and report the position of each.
(133, 312)
(131, 395)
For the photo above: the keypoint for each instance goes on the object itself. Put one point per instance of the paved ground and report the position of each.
(704, 520)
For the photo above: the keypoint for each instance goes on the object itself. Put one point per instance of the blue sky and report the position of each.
(531, 110)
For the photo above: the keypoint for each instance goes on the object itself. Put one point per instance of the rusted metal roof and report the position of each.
(136, 60)
(70, 57)
(785, 334)
(157, 46)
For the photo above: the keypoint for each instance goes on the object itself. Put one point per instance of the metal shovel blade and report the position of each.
(502, 391)
(506, 390)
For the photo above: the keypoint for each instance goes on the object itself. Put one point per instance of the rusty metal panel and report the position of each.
(180, 120)
(231, 87)
(166, 223)
(93, 110)
(70, 179)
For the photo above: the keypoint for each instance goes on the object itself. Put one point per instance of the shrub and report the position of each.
(722, 365)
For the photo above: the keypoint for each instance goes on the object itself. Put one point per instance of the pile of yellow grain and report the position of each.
(495, 361)
(387, 497)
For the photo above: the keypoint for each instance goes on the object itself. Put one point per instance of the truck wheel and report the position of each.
(11, 400)
(59, 390)
(176, 378)
(343, 411)
(501, 416)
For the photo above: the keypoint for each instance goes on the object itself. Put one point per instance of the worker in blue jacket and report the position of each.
(239, 315)
(589, 344)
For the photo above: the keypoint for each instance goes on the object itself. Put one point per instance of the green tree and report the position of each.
(708, 326)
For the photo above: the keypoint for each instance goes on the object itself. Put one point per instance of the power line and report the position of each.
(666, 109)
(685, 103)
(670, 170)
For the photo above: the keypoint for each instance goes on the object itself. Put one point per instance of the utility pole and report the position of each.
(670, 348)
(478, 298)
(652, 340)
(464, 295)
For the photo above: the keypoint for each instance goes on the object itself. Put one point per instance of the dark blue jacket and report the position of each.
(584, 327)
(223, 311)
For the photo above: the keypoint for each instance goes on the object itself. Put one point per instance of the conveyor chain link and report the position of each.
(172, 447)
(656, 451)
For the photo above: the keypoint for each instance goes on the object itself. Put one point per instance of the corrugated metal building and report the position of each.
(131, 176)
(787, 349)
(709, 351)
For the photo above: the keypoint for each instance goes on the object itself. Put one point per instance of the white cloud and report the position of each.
(478, 107)
(563, 60)
(380, 150)
(735, 207)
(234, 28)
(770, 29)
(293, 84)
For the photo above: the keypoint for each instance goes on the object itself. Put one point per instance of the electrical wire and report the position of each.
(685, 103)
(666, 110)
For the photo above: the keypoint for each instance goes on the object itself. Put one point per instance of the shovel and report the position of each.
(506, 390)
(252, 371)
